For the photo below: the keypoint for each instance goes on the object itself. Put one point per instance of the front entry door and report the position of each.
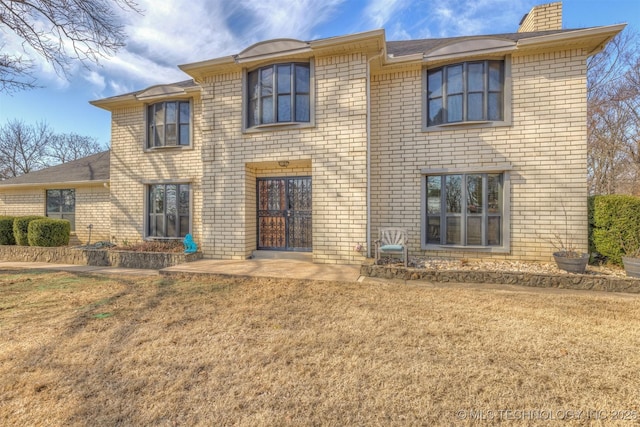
(284, 213)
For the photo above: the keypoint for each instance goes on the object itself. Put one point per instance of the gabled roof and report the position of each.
(90, 169)
(389, 55)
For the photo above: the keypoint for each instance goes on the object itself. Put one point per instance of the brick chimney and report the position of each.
(541, 18)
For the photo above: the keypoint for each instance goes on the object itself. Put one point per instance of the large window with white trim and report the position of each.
(466, 92)
(168, 210)
(465, 209)
(279, 93)
(169, 124)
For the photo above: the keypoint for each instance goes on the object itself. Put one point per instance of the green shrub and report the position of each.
(616, 225)
(6, 230)
(49, 232)
(20, 228)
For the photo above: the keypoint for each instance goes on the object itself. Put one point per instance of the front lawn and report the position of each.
(102, 350)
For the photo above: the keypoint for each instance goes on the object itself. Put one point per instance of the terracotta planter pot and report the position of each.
(631, 266)
(571, 264)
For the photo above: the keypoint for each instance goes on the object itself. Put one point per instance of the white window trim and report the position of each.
(505, 170)
(507, 92)
(269, 127)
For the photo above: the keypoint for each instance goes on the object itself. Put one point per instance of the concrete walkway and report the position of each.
(277, 268)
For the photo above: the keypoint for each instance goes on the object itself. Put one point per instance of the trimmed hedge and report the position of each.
(6, 230)
(616, 220)
(49, 232)
(20, 228)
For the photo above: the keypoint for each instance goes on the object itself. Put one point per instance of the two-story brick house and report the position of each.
(476, 145)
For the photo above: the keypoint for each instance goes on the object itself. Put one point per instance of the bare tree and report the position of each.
(67, 147)
(613, 102)
(26, 148)
(23, 147)
(60, 31)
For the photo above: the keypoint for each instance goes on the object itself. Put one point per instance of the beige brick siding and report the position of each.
(333, 153)
(545, 145)
(543, 17)
(92, 202)
(225, 163)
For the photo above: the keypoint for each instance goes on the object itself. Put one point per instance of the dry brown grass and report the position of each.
(97, 350)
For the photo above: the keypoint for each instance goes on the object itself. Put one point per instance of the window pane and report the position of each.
(284, 79)
(68, 201)
(475, 106)
(172, 225)
(159, 136)
(474, 230)
(253, 117)
(184, 200)
(475, 77)
(253, 85)
(171, 113)
(53, 201)
(454, 193)
(453, 230)
(302, 79)
(454, 79)
(157, 199)
(495, 76)
(435, 112)
(433, 229)
(434, 188)
(184, 226)
(266, 81)
(185, 114)
(474, 194)
(171, 134)
(494, 108)
(302, 108)
(434, 84)
(284, 108)
(493, 231)
(184, 134)
(494, 193)
(267, 110)
(454, 108)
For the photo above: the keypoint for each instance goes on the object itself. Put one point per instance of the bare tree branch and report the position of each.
(60, 31)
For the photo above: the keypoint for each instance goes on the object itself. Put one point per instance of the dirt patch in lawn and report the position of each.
(97, 350)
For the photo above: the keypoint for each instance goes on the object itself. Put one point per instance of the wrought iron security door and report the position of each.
(284, 214)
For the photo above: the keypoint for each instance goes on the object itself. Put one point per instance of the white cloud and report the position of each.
(379, 12)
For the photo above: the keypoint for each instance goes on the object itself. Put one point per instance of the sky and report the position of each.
(172, 32)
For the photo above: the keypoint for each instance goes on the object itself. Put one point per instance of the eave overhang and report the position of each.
(591, 39)
(53, 185)
(150, 94)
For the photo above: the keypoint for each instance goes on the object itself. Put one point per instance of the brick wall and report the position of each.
(132, 169)
(225, 162)
(543, 17)
(545, 145)
(333, 152)
(92, 206)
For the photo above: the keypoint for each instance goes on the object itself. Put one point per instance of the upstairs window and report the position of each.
(279, 93)
(169, 124)
(61, 204)
(466, 92)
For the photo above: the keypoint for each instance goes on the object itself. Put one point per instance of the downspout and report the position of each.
(368, 94)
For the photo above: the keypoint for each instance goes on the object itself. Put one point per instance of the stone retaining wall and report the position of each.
(563, 281)
(95, 257)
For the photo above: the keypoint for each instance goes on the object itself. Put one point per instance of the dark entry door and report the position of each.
(284, 213)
